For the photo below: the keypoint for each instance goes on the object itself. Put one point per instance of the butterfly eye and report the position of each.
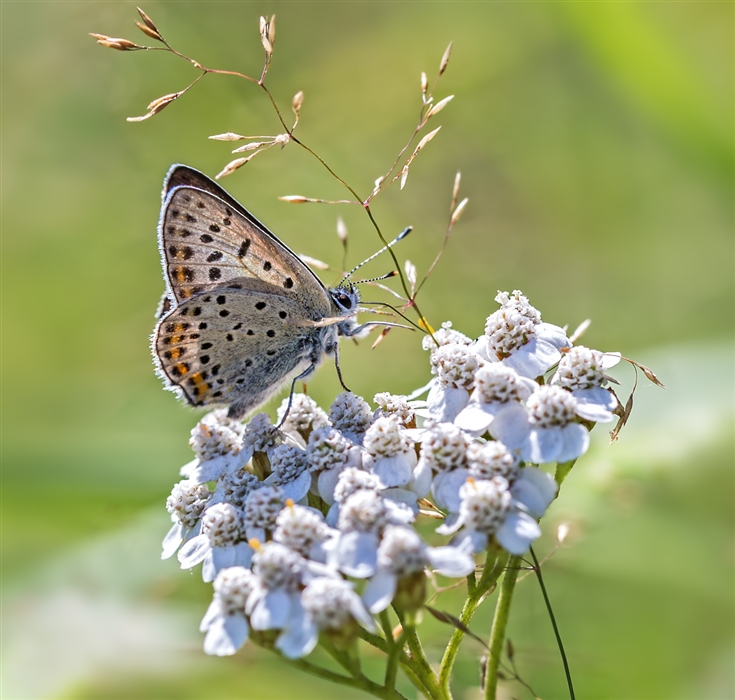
(345, 301)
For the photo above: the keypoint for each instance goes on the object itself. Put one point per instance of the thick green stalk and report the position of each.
(428, 678)
(408, 664)
(500, 622)
(494, 564)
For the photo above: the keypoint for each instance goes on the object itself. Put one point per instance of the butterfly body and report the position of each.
(242, 314)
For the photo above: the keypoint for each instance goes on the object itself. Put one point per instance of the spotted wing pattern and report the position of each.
(235, 345)
(207, 240)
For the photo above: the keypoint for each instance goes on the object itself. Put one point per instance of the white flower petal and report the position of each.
(188, 468)
(209, 470)
(194, 551)
(534, 358)
(480, 347)
(535, 489)
(610, 359)
(380, 590)
(517, 532)
(172, 540)
(361, 613)
(446, 402)
(446, 489)
(511, 426)
(297, 488)
(576, 441)
(213, 612)
(239, 554)
(475, 417)
(421, 479)
(326, 482)
(471, 541)
(272, 611)
(543, 445)
(208, 570)
(451, 524)
(555, 335)
(392, 471)
(357, 553)
(595, 404)
(226, 635)
(300, 636)
(450, 561)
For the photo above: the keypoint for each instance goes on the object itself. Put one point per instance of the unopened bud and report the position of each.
(298, 100)
(458, 211)
(445, 59)
(254, 146)
(341, 229)
(439, 106)
(228, 136)
(232, 166)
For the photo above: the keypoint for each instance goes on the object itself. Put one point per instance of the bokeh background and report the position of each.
(595, 142)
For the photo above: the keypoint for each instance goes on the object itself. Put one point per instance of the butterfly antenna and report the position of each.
(399, 237)
(386, 276)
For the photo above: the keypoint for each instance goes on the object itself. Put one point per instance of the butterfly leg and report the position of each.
(339, 371)
(303, 374)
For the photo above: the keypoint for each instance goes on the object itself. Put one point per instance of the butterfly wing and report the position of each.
(234, 346)
(207, 240)
(184, 176)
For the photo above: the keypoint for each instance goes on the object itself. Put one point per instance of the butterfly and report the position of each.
(242, 314)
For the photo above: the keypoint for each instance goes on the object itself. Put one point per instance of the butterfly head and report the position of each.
(346, 297)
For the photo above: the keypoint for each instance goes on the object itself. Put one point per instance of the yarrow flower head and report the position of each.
(328, 453)
(225, 622)
(186, 504)
(303, 530)
(584, 372)
(220, 544)
(362, 519)
(497, 390)
(351, 415)
(553, 433)
(515, 336)
(444, 336)
(489, 459)
(454, 365)
(402, 558)
(390, 452)
(290, 471)
(261, 509)
(328, 605)
(398, 406)
(487, 510)
(259, 437)
(216, 440)
(235, 486)
(274, 600)
(303, 416)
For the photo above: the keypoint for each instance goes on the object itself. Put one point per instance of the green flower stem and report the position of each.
(394, 655)
(409, 666)
(500, 622)
(424, 671)
(494, 564)
(360, 682)
(426, 674)
(349, 663)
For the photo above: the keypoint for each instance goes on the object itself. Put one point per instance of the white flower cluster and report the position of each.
(309, 528)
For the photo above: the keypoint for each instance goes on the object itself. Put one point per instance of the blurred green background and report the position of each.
(595, 142)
